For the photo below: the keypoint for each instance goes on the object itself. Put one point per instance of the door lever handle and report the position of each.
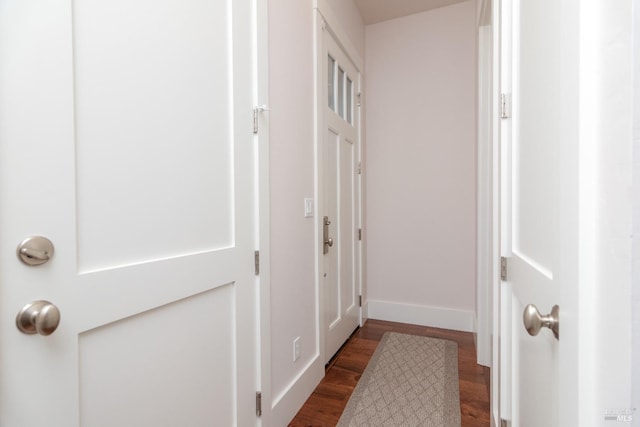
(327, 241)
(534, 321)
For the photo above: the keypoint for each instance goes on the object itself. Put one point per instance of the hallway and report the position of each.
(325, 405)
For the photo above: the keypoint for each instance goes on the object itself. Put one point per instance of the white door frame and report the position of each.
(326, 21)
(495, 397)
(485, 187)
(263, 206)
(635, 352)
(488, 229)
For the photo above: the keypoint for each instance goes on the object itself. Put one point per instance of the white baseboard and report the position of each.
(287, 403)
(436, 317)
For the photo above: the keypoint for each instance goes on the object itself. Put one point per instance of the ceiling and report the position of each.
(374, 11)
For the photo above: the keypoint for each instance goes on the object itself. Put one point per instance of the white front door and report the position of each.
(126, 140)
(340, 202)
(536, 178)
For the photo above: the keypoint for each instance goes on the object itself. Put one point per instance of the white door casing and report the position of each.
(126, 139)
(485, 270)
(340, 194)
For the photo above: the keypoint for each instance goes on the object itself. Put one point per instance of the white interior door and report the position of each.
(566, 210)
(340, 198)
(536, 174)
(126, 140)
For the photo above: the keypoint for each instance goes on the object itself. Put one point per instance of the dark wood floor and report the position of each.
(325, 405)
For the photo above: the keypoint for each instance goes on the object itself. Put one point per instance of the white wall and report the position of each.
(291, 135)
(291, 138)
(352, 24)
(421, 167)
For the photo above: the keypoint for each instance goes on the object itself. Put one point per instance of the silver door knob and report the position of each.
(39, 317)
(534, 321)
(329, 241)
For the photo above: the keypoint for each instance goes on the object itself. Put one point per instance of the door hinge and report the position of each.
(359, 95)
(504, 423)
(503, 268)
(256, 111)
(359, 168)
(256, 261)
(258, 403)
(359, 233)
(505, 106)
(360, 300)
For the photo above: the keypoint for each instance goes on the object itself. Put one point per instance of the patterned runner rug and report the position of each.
(409, 381)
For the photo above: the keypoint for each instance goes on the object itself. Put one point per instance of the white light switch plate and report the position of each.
(308, 208)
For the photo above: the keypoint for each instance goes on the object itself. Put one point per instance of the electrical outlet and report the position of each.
(296, 349)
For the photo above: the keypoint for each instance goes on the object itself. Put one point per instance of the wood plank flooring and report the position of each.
(325, 405)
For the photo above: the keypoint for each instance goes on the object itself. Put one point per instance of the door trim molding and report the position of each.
(485, 215)
(262, 203)
(332, 24)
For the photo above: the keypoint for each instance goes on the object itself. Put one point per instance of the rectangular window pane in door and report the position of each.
(349, 100)
(331, 79)
(341, 92)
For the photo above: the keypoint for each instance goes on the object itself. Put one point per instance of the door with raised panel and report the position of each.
(340, 206)
(126, 140)
(536, 189)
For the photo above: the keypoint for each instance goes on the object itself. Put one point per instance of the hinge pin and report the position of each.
(504, 106)
(256, 260)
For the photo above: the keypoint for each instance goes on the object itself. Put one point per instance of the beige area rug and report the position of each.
(409, 381)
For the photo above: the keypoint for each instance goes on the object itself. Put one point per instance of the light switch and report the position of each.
(308, 208)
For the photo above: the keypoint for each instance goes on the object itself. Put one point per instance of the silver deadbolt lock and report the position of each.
(35, 250)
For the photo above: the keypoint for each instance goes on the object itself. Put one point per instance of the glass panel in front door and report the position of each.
(341, 92)
(349, 101)
(331, 77)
